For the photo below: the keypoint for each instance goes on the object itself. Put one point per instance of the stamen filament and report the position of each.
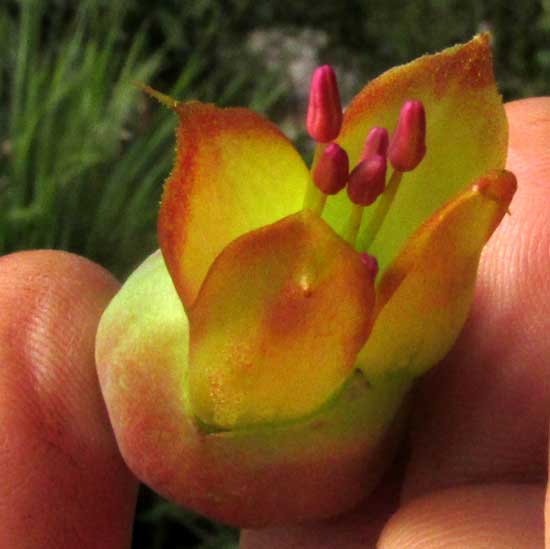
(353, 224)
(365, 184)
(314, 198)
(381, 210)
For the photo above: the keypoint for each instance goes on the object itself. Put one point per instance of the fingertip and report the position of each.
(51, 302)
(500, 515)
(529, 142)
(63, 482)
(356, 529)
(482, 414)
(61, 268)
(530, 114)
(547, 511)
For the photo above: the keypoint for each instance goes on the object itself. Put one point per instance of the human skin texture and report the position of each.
(62, 480)
(475, 475)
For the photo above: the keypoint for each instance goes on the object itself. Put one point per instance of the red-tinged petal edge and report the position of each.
(239, 477)
(466, 136)
(234, 172)
(424, 296)
(277, 324)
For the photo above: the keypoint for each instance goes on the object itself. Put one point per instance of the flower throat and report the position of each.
(367, 182)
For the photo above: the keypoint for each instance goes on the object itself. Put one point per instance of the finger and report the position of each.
(62, 480)
(448, 417)
(483, 414)
(356, 530)
(478, 517)
(547, 513)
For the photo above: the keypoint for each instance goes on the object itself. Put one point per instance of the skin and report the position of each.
(473, 473)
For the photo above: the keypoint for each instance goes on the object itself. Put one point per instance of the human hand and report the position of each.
(63, 483)
(476, 473)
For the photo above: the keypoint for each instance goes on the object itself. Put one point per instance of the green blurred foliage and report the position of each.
(376, 34)
(370, 36)
(163, 525)
(83, 153)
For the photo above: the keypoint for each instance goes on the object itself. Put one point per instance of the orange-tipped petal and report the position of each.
(424, 296)
(234, 172)
(277, 324)
(246, 477)
(466, 136)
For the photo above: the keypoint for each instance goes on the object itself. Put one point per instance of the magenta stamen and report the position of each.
(376, 143)
(332, 169)
(366, 182)
(371, 263)
(324, 113)
(408, 143)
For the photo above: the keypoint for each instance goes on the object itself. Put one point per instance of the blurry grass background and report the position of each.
(83, 153)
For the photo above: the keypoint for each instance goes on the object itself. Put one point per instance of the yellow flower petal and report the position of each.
(277, 324)
(424, 296)
(335, 456)
(466, 136)
(234, 172)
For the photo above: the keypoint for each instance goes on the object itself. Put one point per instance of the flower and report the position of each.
(258, 369)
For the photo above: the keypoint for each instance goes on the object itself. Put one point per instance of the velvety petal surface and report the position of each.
(424, 296)
(246, 477)
(277, 324)
(234, 172)
(466, 136)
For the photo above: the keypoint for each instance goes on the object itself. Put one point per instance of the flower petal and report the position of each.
(277, 324)
(234, 172)
(424, 296)
(466, 136)
(335, 457)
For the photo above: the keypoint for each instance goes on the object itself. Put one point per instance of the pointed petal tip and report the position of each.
(423, 298)
(229, 163)
(499, 185)
(162, 98)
